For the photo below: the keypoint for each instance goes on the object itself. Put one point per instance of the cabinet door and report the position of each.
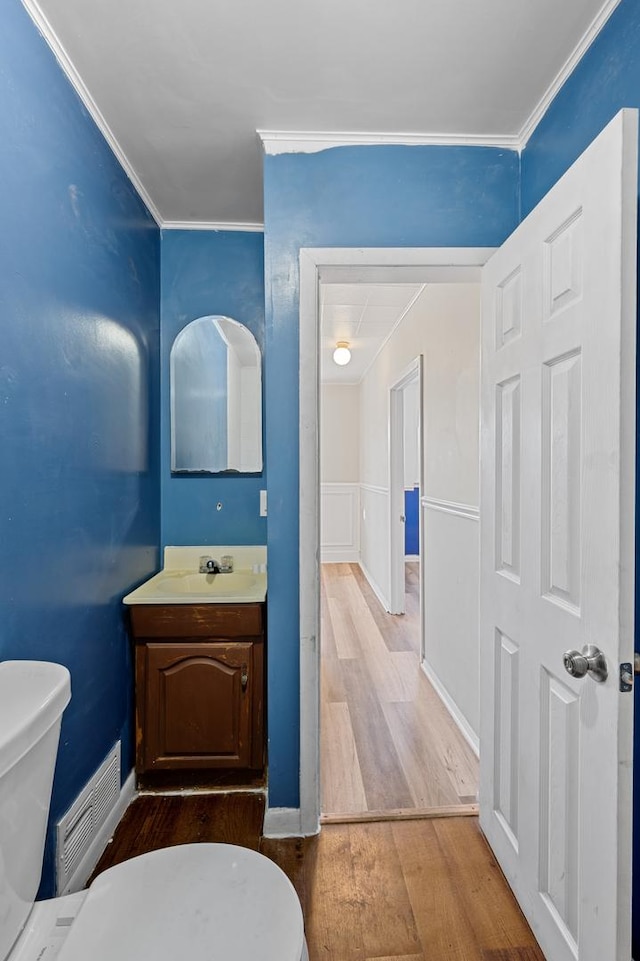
(198, 705)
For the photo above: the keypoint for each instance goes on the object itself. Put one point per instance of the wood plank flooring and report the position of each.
(155, 821)
(388, 744)
(411, 890)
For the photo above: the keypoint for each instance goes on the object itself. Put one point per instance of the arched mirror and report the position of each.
(216, 398)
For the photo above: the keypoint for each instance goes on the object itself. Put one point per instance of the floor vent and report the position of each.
(76, 830)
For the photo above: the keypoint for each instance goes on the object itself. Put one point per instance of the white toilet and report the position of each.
(195, 901)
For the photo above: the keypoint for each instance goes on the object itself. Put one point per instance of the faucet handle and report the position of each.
(226, 564)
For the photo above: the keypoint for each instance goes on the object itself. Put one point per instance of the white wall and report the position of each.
(411, 404)
(340, 473)
(443, 325)
(339, 434)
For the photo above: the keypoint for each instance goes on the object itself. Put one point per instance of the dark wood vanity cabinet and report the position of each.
(199, 690)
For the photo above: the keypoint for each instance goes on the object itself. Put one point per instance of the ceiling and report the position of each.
(180, 88)
(364, 315)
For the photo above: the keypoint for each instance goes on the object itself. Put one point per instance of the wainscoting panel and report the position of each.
(450, 586)
(374, 539)
(340, 523)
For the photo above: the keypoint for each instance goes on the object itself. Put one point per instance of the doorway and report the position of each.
(353, 583)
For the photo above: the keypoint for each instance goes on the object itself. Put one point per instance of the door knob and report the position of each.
(591, 661)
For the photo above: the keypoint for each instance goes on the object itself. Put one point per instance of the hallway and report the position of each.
(388, 744)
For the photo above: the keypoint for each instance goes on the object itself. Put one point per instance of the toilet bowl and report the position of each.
(194, 901)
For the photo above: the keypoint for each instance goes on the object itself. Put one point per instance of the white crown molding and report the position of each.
(310, 141)
(61, 55)
(288, 141)
(565, 71)
(392, 332)
(205, 225)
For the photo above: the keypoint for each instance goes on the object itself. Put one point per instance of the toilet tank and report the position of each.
(33, 695)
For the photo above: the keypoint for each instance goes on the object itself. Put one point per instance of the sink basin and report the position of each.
(188, 587)
(179, 582)
(211, 585)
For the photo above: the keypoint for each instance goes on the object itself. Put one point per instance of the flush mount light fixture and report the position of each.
(342, 354)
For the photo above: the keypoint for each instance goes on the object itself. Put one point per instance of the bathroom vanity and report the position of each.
(199, 687)
(199, 675)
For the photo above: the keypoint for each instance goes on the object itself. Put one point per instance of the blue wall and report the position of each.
(210, 272)
(79, 322)
(412, 521)
(83, 450)
(348, 196)
(606, 79)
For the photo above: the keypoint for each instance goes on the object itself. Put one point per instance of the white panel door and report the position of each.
(557, 552)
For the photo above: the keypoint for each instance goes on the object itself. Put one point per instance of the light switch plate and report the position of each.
(263, 503)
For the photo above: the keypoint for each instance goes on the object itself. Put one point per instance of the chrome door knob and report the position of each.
(590, 661)
(575, 663)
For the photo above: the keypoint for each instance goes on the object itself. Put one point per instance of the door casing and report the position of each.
(413, 373)
(341, 265)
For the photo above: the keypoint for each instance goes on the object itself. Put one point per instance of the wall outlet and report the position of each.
(263, 503)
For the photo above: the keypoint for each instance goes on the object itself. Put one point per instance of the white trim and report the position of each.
(373, 489)
(340, 539)
(309, 544)
(285, 823)
(411, 374)
(213, 225)
(409, 558)
(375, 587)
(354, 265)
(66, 64)
(83, 871)
(312, 141)
(454, 265)
(337, 484)
(35, 12)
(346, 548)
(309, 141)
(451, 507)
(457, 716)
(565, 71)
(337, 555)
(386, 340)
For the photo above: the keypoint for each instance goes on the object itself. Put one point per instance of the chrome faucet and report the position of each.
(208, 565)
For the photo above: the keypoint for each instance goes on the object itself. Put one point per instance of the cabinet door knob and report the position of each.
(244, 677)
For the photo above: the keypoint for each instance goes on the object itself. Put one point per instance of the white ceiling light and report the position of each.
(342, 354)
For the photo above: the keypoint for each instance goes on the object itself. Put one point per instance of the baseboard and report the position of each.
(282, 823)
(412, 557)
(329, 556)
(79, 878)
(374, 587)
(458, 717)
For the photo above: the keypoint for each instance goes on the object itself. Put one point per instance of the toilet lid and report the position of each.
(192, 902)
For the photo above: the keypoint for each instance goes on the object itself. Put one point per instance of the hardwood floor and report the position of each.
(419, 890)
(372, 889)
(388, 744)
(155, 821)
(413, 890)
